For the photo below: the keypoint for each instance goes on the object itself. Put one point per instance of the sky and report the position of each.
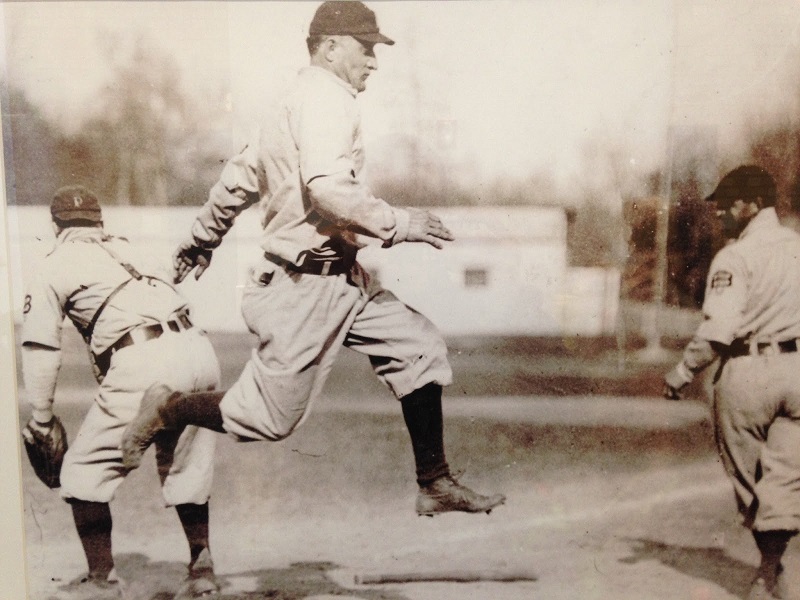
(521, 87)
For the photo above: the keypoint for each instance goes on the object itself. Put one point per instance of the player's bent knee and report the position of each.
(283, 429)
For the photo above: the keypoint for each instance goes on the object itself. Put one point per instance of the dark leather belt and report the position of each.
(314, 265)
(741, 347)
(179, 322)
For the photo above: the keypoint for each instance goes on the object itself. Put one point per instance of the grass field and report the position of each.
(612, 492)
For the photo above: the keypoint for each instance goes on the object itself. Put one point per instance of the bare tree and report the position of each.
(147, 110)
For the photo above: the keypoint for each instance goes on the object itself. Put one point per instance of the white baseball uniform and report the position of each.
(752, 316)
(308, 295)
(138, 333)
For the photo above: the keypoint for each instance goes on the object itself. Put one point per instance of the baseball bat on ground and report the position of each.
(463, 576)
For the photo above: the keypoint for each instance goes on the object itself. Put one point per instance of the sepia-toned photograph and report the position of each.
(476, 300)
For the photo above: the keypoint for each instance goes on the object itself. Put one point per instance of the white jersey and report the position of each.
(754, 284)
(84, 278)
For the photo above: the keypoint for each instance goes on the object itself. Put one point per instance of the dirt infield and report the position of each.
(608, 497)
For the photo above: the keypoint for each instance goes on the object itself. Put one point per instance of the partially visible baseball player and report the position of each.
(308, 295)
(138, 332)
(752, 323)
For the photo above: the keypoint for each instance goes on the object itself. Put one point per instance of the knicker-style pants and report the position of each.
(301, 321)
(93, 470)
(757, 426)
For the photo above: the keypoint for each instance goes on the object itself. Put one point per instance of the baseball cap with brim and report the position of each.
(347, 17)
(373, 38)
(746, 182)
(76, 203)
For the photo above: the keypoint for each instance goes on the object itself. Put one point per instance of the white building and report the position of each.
(506, 274)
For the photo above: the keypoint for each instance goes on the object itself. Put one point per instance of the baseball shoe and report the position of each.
(93, 586)
(200, 581)
(445, 494)
(141, 432)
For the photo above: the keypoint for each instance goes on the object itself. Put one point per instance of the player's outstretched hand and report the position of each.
(188, 256)
(427, 227)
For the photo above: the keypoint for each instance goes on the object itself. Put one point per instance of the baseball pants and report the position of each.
(301, 321)
(92, 469)
(757, 425)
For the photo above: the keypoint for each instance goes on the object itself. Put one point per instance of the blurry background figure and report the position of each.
(752, 323)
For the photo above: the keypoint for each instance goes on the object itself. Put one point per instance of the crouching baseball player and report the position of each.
(308, 295)
(752, 323)
(139, 333)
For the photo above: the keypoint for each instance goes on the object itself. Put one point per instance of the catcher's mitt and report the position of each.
(46, 445)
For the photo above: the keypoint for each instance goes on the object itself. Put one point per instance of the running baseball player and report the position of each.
(308, 295)
(752, 323)
(128, 315)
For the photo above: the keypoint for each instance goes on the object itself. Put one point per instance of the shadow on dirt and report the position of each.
(711, 564)
(146, 580)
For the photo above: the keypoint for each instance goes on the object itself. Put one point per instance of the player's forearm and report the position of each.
(40, 366)
(347, 203)
(236, 190)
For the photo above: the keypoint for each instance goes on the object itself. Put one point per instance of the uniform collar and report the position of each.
(315, 71)
(72, 234)
(766, 218)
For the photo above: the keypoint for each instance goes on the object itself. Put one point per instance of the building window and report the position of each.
(476, 277)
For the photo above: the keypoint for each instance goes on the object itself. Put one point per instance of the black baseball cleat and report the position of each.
(141, 432)
(445, 494)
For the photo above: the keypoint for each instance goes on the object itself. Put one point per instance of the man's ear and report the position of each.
(328, 47)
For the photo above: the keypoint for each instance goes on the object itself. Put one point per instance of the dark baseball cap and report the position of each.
(75, 202)
(746, 182)
(347, 17)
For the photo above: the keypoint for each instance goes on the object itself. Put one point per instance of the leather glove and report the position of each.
(46, 445)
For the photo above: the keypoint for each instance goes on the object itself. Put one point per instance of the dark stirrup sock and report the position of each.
(772, 544)
(93, 522)
(194, 519)
(422, 411)
(197, 408)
